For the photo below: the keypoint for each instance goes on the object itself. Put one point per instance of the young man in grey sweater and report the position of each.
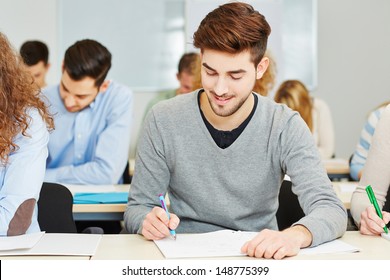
(222, 152)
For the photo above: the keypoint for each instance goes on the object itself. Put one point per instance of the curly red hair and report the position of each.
(18, 93)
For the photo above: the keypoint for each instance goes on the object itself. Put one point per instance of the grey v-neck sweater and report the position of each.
(234, 188)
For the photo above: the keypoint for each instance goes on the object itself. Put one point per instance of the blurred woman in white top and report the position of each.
(314, 111)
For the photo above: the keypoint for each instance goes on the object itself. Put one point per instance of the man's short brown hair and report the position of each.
(233, 28)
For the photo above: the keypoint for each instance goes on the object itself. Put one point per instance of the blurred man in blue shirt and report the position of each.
(93, 117)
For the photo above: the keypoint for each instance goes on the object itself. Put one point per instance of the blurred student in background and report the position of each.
(360, 155)
(93, 118)
(35, 55)
(377, 174)
(24, 135)
(314, 111)
(185, 76)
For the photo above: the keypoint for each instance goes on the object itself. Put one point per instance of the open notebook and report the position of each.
(226, 243)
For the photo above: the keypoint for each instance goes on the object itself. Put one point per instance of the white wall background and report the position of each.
(353, 56)
(23, 20)
(353, 63)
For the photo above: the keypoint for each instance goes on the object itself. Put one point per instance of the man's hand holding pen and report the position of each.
(157, 224)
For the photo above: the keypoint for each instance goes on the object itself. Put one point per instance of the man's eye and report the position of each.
(211, 73)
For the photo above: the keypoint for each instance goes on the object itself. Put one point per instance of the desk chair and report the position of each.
(55, 209)
(126, 174)
(289, 210)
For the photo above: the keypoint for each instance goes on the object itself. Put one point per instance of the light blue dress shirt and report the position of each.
(22, 177)
(90, 146)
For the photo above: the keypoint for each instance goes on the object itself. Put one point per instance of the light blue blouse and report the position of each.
(90, 146)
(21, 178)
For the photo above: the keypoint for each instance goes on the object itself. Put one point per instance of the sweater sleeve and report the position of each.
(325, 215)
(376, 171)
(150, 179)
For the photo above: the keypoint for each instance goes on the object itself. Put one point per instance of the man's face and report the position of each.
(77, 95)
(228, 80)
(39, 71)
(185, 79)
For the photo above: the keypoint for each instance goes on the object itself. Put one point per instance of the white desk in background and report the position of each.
(102, 212)
(344, 191)
(115, 212)
(337, 168)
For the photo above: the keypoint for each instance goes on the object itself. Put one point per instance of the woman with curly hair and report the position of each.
(24, 125)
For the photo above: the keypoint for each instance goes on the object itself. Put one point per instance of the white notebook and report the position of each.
(60, 244)
(24, 241)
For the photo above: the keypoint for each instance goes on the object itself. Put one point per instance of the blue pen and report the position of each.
(163, 205)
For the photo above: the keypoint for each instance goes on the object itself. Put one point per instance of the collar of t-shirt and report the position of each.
(224, 139)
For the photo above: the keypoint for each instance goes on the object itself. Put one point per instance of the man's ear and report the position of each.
(262, 67)
(104, 86)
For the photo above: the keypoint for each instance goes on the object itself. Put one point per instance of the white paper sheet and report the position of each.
(335, 246)
(227, 243)
(386, 236)
(61, 244)
(24, 241)
(348, 188)
(212, 244)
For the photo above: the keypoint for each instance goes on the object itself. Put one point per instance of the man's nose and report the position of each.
(221, 86)
(69, 101)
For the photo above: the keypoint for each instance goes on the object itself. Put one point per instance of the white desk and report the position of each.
(344, 191)
(337, 168)
(135, 247)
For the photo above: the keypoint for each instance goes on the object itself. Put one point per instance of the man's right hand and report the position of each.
(370, 223)
(156, 224)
